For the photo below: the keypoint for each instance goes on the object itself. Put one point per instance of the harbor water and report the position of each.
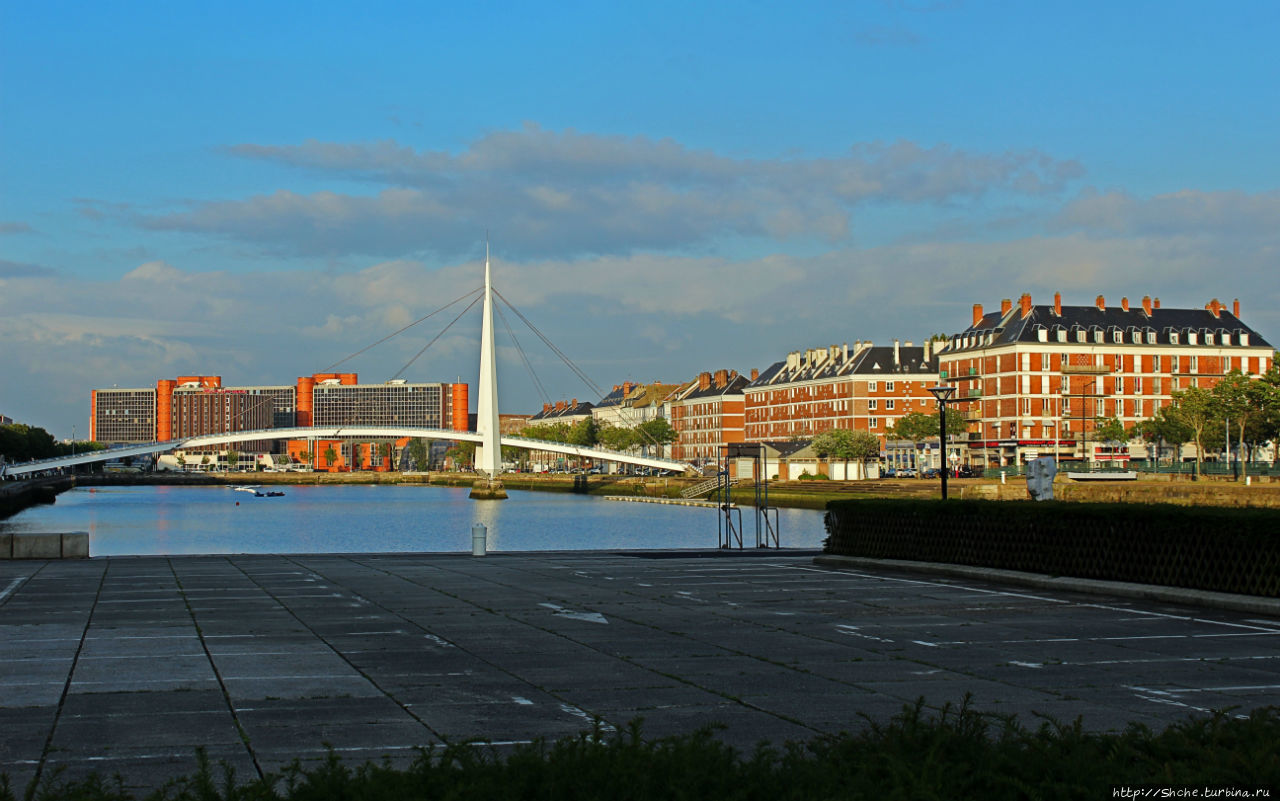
(138, 520)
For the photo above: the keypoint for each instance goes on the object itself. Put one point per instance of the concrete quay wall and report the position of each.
(53, 545)
(18, 495)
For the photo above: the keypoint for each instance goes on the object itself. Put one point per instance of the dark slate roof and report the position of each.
(869, 362)
(614, 398)
(996, 329)
(734, 386)
(554, 414)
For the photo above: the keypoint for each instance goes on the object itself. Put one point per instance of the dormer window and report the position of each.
(1192, 337)
(1244, 339)
(1173, 338)
(1097, 335)
(1062, 334)
(1151, 336)
(1208, 339)
(1080, 335)
(1042, 333)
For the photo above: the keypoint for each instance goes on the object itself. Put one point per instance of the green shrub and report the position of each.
(816, 477)
(954, 753)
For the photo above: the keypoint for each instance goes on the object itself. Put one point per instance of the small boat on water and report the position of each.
(269, 494)
(248, 488)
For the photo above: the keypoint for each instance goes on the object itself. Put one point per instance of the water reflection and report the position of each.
(369, 519)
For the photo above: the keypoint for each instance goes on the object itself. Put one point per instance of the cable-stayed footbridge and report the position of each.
(487, 436)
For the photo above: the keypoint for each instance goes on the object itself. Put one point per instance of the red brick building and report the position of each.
(863, 388)
(1034, 378)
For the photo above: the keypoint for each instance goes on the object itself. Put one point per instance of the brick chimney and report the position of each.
(977, 313)
(1235, 308)
(1101, 303)
(722, 379)
(704, 380)
(928, 346)
(1124, 304)
(897, 358)
(559, 406)
(546, 407)
(573, 404)
(1057, 304)
(1025, 302)
(1005, 306)
(1155, 304)
(1215, 307)
(1146, 305)
(755, 373)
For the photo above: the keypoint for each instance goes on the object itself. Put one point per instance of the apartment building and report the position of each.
(1033, 379)
(118, 416)
(192, 405)
(706, 413)
(861, 388)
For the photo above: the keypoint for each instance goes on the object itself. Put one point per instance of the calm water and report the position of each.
(371, 519)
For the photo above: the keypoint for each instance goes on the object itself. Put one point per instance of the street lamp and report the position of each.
(943, 393)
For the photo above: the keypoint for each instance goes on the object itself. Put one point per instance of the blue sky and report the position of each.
(258, 192)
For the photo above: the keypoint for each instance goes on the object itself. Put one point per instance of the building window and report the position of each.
(873, 404)
(1173, 338)
(871, 386)
(873, 422)
(888, 387)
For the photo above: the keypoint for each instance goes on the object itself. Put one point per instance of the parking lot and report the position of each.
(130, 664)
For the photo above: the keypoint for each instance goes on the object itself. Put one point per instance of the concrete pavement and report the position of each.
(129, 663)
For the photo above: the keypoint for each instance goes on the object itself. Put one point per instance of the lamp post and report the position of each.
(942, 393)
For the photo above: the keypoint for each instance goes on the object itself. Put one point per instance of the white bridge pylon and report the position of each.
(339, 432)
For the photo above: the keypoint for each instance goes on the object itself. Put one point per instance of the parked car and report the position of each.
(965, 471)
(906, 472)
(930, 472)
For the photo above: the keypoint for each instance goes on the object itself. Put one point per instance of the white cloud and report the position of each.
(548, 194)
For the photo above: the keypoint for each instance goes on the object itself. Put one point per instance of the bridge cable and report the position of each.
(569, 362)
(542, 391)
(437, 336)
(402, 330)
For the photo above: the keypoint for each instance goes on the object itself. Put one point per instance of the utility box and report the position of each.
(1040, 473)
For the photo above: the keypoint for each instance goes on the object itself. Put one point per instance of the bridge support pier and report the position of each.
(488, 489)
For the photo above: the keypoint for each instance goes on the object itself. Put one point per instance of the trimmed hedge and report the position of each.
(1204, 548)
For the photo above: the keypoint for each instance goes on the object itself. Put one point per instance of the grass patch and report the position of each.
(956, 753)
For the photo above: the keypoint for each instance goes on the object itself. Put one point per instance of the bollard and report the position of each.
(479, 539)
(1248, 481)
(1001, 476)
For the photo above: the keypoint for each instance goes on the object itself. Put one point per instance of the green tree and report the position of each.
(657, 432)
(419, 453)
(305, 457)
(617, 438)
(1242, 400)
(387, 450)
(233, 460)
(463, 454)
(584, 433)
(1199, 410)
(846, 446)
(204, 460)
(182, 461)
(330, 456)
(1110, 430)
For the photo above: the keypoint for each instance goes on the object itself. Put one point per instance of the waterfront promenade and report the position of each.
(129, 664)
